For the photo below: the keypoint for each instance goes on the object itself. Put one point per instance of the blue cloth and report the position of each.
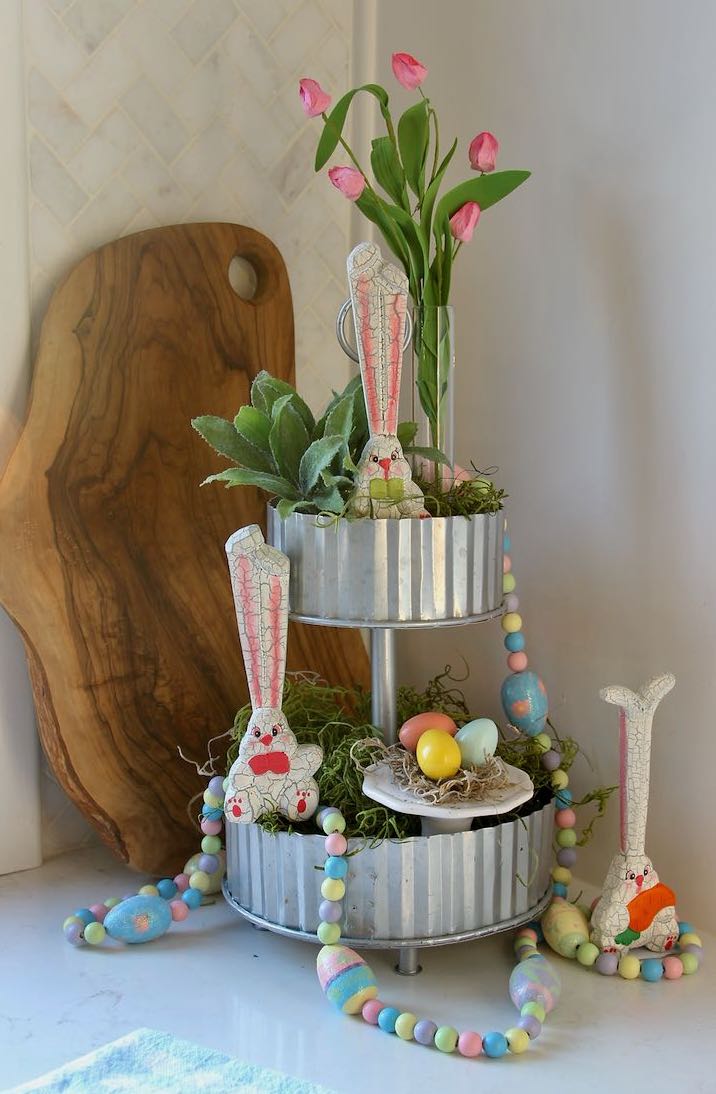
(150, 1062)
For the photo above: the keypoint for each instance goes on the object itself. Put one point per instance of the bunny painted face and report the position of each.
(379, 294)
(268, 745)
(631, 875)
(384, 467)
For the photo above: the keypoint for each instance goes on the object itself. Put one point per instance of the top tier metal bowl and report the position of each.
(392, 573)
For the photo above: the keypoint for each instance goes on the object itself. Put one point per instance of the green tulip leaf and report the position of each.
(333, 127)
(387, 169)
(432, 454)
(407, 432)
(413, 136)
(486, 190)
(374, 209)
(428, 202)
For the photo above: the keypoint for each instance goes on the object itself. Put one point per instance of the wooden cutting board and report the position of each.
(113, 562)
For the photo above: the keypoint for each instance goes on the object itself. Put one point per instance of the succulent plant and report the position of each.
(276, 444)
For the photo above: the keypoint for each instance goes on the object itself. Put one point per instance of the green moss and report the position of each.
(466, 499)
(336, 718)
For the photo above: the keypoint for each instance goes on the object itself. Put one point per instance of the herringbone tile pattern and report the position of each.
(149, 112)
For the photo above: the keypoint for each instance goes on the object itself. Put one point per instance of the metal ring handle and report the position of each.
(347, 306)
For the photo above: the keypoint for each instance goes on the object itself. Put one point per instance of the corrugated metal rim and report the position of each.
(444, 886)
(392, 571)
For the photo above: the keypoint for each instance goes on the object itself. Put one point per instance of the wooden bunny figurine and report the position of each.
(635, 908)
(271, 771)
(379, 294)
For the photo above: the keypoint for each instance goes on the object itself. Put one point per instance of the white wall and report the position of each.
(19, 784)
(586, 330)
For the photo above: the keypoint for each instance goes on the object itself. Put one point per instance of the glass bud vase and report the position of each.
(433, 389)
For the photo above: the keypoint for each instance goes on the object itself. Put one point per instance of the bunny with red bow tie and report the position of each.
(272, 771)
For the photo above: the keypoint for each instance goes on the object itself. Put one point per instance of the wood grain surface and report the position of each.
(113, 562)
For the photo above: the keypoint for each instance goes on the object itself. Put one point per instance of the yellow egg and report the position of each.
(412, 730)
(438, 754)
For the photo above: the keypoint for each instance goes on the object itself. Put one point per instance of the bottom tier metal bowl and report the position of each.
(421, 891)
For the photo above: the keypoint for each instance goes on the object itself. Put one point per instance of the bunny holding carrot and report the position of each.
(635, 908)
(272, 771)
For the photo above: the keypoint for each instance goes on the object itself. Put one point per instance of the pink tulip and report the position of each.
(314, 99)
(348, 180)
(483, 152)
(407, 71)
(464, 221)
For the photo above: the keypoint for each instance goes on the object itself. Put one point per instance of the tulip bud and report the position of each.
(407, 71)
(483, 152)
(464, 221)
(314, 99)
(348, 180)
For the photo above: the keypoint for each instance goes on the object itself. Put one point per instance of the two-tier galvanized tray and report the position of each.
(389, 575)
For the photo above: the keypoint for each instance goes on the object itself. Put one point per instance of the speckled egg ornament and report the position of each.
(524, 701)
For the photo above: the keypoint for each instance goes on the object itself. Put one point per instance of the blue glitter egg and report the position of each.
(524, 701)
(139, 919)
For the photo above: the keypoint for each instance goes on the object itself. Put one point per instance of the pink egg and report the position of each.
(412, 730)
(517, 661)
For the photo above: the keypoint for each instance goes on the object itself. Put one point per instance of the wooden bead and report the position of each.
(405, 1025)
(565, 818)
(512, 622)
(629, 967)
(333, 889)
(518, 1040)
(446, 1038)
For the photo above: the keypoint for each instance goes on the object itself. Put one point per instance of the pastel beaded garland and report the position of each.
(349, 984)
(150, 913)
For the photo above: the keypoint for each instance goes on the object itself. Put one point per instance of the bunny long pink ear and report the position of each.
(379, 293)
(259, 582)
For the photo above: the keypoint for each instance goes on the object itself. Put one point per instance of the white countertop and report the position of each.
(218, 981)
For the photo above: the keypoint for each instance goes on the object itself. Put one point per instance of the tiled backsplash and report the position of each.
(149, 112)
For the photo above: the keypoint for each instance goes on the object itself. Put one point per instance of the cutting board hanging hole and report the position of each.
(243, 277)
